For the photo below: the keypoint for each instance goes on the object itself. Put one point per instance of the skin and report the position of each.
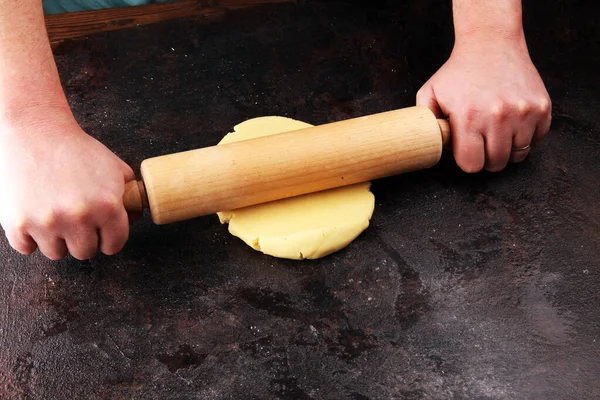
(489, 89)
(61, 190)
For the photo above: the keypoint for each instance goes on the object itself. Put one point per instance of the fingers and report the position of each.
(536, 118)
(114, 234)
(521, 143)
(426, 98)
(503, 133)
(544, 122)
(43, 228)
(468, 146)
(86, 226)
(21, 242)
(52, 247)
(519, 154)
(467, 142)
(83, 245)
(64, 197)
(497, 149)
(129, 176)
(499, 136)
(128, 173)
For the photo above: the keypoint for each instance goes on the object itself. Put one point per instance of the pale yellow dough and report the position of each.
(309, 226)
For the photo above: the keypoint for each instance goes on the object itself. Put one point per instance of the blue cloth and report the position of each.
(61, 6)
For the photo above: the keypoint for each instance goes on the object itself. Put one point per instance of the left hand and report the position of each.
(495, 100)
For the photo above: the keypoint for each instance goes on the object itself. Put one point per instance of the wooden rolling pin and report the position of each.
(219, 178)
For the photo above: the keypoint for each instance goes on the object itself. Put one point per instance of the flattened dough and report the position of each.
(308, 226)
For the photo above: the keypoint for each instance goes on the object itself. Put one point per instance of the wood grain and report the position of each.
(70, 25)
(200, 182)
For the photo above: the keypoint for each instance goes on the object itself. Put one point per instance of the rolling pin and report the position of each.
(199, 182)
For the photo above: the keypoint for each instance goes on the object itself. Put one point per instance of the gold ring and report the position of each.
(519, 149)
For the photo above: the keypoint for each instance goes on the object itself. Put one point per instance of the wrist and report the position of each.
(37, 122)
(490, 40)
(21, 108)
(487, 21)
(490, 35)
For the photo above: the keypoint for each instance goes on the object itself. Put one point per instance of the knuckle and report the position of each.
(48, 220)
(523, 106)
(499, 110)
(78, 211)
(20, 224)
(469, 113)
(109, 205)
(545, 105)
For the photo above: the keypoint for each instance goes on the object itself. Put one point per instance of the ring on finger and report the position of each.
(520, 149)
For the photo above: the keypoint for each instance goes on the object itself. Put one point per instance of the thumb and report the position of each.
(129, 176)
(426, 98)
(128, 173)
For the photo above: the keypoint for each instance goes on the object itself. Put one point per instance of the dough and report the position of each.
(308, 226)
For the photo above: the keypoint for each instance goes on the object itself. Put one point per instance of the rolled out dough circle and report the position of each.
(308, 226)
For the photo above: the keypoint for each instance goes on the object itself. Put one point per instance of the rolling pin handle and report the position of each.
(445, 131)
(134, 196)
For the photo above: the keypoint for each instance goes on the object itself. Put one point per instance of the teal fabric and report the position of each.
(61, 6)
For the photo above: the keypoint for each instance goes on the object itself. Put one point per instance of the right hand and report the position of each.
(61, 190)
(494, 98)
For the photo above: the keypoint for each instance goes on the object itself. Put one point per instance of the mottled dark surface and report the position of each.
(483, 286)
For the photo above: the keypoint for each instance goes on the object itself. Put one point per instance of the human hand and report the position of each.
(495, 100)
(61, 189)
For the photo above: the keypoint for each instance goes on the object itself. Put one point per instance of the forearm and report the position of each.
(476, 20)
(28, 75)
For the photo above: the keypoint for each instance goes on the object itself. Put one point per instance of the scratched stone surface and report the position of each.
(478, 286)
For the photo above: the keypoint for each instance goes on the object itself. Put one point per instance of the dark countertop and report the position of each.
(479, 286)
